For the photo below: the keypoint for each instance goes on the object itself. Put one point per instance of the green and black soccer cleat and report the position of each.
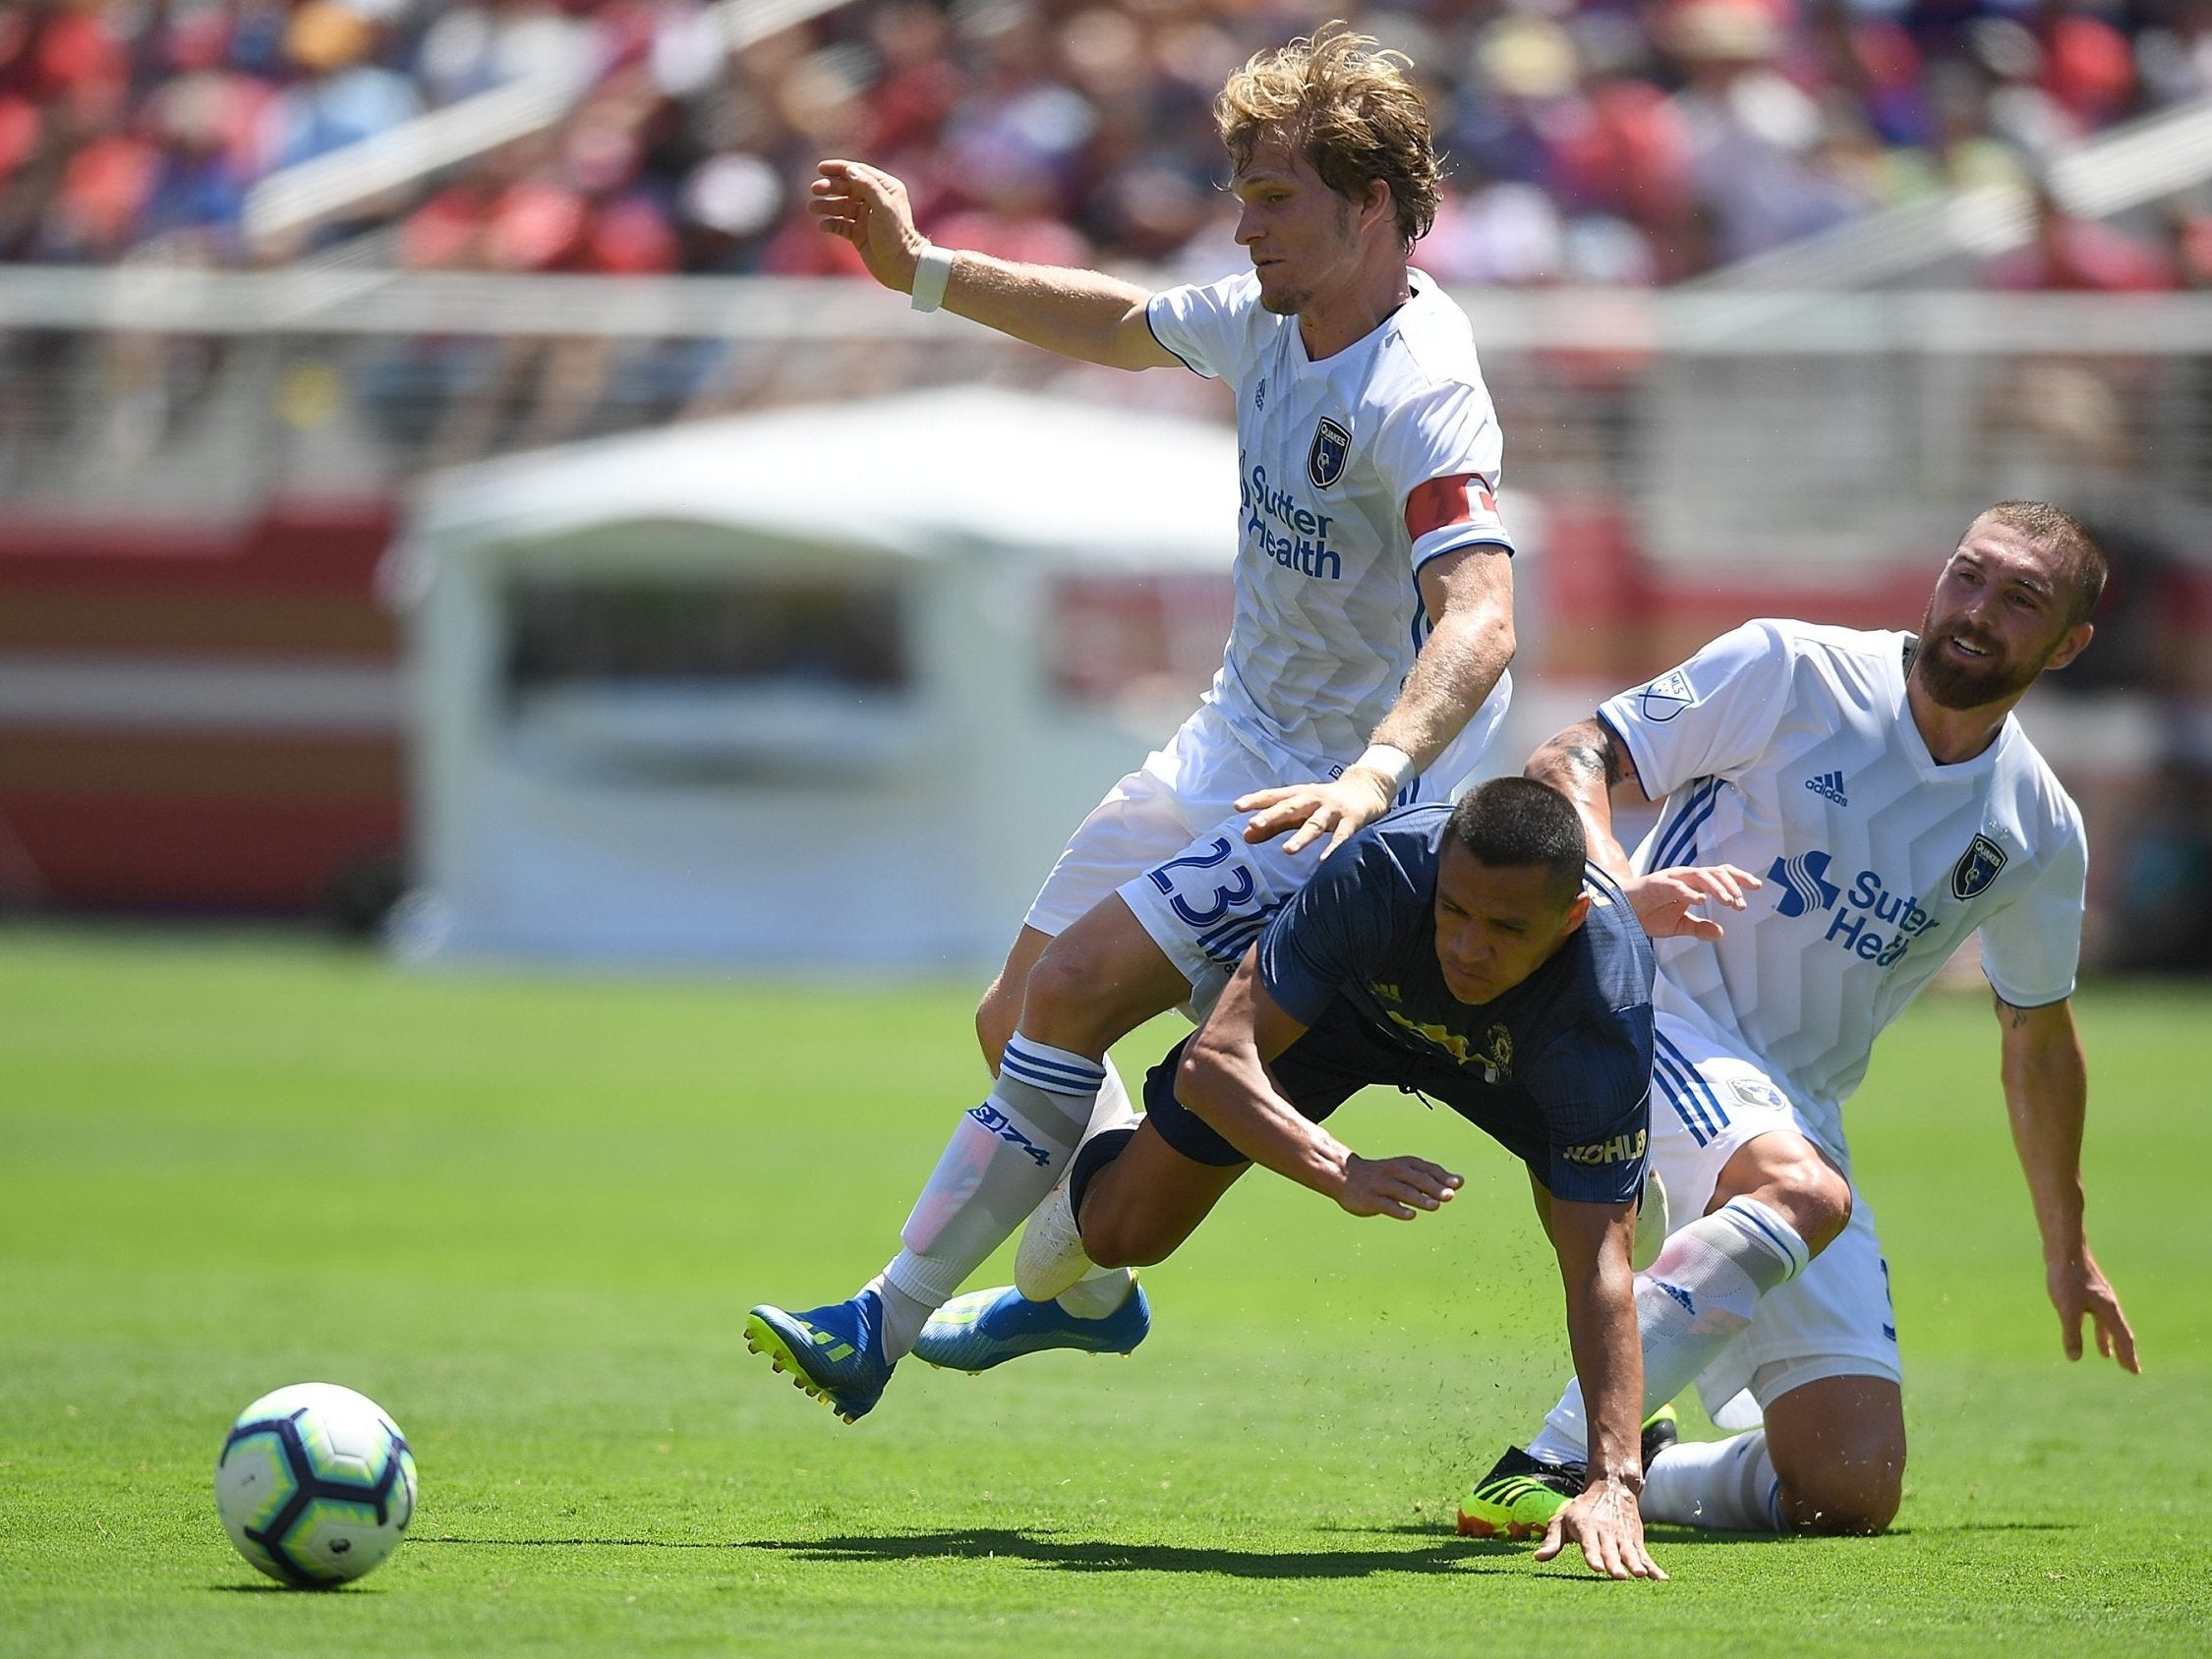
(1520, 1495)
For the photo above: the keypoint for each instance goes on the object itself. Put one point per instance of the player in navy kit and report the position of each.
(1468, 953)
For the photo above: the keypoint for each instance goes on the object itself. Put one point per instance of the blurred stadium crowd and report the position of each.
(1590, 141)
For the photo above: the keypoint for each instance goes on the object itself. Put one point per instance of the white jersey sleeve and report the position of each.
(1711, 717)
(1208, 327)
(1440, 455)
(2031, 949)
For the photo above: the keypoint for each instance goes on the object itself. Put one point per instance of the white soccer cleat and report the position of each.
(1050, 1258)
(1651, 1223)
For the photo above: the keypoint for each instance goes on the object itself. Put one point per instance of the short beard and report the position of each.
(1950, 685)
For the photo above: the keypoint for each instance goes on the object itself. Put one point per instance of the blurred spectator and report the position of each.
(1593, 141)
(2070, 254)
(341, 96)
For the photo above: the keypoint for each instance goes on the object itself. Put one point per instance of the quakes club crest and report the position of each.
(1976, 867)
(1332, 448)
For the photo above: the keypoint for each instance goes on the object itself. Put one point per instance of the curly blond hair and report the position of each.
(1344, 102)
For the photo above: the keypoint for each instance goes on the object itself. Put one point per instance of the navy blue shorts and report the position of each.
(1338, 1057)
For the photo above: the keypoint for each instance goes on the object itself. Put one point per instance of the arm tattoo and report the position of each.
(1588, 749)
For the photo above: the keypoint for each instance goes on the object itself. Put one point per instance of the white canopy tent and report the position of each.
(884, 793)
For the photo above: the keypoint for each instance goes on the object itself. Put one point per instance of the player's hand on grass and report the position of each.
(1607, 1522)
(2078, 1290)
(1666, 901)
(1338, 809)
(868, 208)
(1400, 1187)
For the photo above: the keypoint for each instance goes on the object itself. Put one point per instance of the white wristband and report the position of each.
(1394, 764)
(932, 272)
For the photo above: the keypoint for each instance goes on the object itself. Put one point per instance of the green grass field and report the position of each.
(528, 1214)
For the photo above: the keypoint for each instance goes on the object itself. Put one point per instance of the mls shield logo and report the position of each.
(1332, 448)
(1667, 696)
(1976, 867)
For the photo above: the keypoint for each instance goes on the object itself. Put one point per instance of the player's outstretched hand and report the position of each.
(868, 208)
(1605, 1521)
(1339, 808)
(1666, 900)
(2079, 1289)
(1401, 1187)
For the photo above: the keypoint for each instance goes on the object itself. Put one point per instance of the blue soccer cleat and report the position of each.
(834, 1352)
(987, 1327)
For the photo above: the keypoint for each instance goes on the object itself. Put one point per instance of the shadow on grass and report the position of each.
(1658, 1531)
(317, 1592)
(1449, 1554)
(1675, 1537)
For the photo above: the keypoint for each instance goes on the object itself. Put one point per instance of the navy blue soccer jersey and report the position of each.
(1558, 1069)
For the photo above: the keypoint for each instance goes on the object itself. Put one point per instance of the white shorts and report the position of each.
(1169, 839)
(1833, 1319)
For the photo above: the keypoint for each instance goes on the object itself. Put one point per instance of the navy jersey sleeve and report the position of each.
(1593, 1086)
(1338, 927)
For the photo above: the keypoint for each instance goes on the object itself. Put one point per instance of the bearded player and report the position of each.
(1882, 784)
(1369, 645)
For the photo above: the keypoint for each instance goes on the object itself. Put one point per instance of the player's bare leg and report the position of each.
(1839, 1448)
(1091, 984)
(1828, 1459)
(1000, 1010)
(1097, 982)
(1788, 1174)
(1140, 1207)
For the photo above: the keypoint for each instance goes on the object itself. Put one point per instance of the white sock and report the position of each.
(1005, 1156)
(1690, 1304)
(903, 1316)
(1102, 1290)
(1728, 1484)
(1099, 1292)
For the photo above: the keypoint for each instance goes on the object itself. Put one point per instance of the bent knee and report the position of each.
(1060, 988)
(1857, 1513)
(1852, 1491)
(1113, 1240)
(1787, 1173)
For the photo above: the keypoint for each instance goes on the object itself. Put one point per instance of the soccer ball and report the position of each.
(316, 1485)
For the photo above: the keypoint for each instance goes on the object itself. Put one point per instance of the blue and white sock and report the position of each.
(1690, 1304)
(1005, 1156)
(1728, 1484)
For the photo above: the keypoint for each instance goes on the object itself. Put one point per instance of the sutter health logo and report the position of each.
(1286, 530)
(1869, 920)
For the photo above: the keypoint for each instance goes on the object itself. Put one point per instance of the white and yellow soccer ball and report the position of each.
(316, 1485)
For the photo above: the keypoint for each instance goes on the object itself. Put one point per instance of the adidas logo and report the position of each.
(1831, 784)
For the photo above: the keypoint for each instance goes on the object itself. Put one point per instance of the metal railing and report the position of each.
(1800, 428)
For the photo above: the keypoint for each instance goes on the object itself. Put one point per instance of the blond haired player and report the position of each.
(1366, 664)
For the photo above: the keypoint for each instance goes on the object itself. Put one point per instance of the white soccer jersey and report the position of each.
(1353, 472)
(1789, 749)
